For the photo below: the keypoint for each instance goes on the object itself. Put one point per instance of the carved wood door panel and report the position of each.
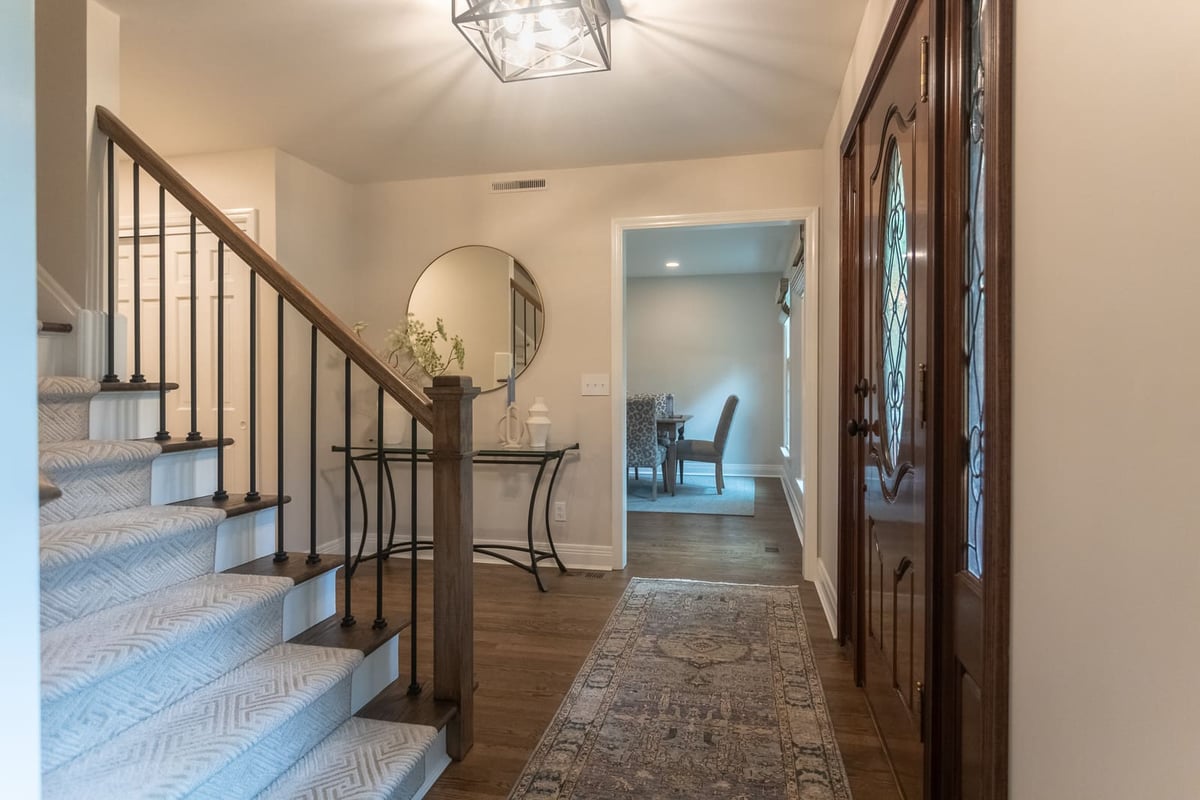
(895, 318)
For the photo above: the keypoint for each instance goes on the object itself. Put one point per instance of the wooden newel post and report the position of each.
(453, 537)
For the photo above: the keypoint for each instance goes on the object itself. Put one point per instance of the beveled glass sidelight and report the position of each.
(895, 306)
(974, 304)
(525, 39)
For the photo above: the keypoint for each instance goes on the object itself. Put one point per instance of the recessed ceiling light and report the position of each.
(672, 265)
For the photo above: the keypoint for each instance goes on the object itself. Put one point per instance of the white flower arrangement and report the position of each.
(418, 344)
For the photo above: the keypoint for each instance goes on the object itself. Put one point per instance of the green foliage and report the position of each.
(419, 344)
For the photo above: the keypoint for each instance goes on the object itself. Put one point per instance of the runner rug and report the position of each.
(693, 690)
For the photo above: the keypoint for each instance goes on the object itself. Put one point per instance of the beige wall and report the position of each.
(703, 338)
(62, 150)
(1105, 623)
(563, 236)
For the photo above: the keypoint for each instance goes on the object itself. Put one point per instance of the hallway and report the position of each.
(528, 646)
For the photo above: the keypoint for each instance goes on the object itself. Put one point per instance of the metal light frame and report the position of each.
(582, 43)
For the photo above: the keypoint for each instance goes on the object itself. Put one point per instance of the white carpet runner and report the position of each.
(162, 679)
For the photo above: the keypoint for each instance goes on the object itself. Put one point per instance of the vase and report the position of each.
(509, 428)
(538, 423)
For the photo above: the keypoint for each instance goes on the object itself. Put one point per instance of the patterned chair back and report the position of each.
(641, 432)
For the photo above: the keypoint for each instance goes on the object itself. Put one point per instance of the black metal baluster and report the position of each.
(194, 433)
(111, 322)
(253, 495)
(348, 619)
(163, 434)
(137, 376)
(280, 553)
(413, 686)
(220, 493)
(379, 622)
(313, 556)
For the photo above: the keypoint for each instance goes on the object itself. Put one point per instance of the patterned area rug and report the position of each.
(697, 496)
(693, 690)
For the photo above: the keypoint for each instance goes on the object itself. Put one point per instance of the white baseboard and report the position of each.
(827, 592)
(574, 556)
(734, 470)
(795, 504)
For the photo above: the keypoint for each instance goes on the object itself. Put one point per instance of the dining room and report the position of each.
(705, 357)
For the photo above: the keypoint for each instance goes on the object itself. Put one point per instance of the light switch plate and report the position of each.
(594, 385)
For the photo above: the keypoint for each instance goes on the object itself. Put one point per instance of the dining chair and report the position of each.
(642, 448)
(662, 408)
(709, 452)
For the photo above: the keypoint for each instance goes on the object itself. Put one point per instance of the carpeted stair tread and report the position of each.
(94, 453)
(229, 739)
(364, 759)
(106, 671)
(64, 406)
(90, 564)
(96, 476)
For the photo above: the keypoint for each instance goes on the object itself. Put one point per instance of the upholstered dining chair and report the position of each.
(641, 441)
(709, 452)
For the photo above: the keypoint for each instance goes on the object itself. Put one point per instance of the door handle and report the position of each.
(862, 388)
(856, 428)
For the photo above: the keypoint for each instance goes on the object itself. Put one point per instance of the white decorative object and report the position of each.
(510, 428)
(538, 423)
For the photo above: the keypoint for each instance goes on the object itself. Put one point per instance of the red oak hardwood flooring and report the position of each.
(529, 645)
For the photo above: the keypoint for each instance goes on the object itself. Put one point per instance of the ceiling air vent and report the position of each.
(522, 185)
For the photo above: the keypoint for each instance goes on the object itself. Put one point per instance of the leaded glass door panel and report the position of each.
(894, 313)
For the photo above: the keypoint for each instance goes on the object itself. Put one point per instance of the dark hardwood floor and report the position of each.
(529, 645)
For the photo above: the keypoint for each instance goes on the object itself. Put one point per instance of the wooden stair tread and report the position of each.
(236, 505)
(179, 444)
(125, 386)
(296, 567)
(360, 636)
(395, 704)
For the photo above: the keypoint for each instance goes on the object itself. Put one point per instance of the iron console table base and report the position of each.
(540, 457)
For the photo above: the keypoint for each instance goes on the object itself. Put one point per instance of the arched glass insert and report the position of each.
(895, 306)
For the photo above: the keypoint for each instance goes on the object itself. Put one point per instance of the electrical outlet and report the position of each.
(560, 511)
(594, 385)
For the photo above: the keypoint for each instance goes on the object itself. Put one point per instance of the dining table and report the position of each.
(672, 429)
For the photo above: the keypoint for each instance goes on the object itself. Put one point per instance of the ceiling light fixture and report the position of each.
(524, 39)
(672, 265)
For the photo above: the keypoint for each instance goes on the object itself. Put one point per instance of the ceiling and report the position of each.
(376, 90)
(740, 249)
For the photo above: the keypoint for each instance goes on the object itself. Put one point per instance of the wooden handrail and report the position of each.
(270, 270)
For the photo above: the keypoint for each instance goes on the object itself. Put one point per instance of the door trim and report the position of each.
(998, 465)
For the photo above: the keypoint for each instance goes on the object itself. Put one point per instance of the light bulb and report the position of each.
(550, 20)
(513, 24)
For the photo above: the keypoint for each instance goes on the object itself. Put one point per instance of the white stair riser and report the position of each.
(436, 761)
(124, 415)
(245, 538)
(375, 672)
(309, 603)
(182, 476)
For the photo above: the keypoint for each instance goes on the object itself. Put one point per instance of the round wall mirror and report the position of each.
(489, 299)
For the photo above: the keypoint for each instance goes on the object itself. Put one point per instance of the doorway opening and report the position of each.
(698, 306)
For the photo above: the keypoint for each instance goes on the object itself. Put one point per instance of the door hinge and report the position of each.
(924, 69)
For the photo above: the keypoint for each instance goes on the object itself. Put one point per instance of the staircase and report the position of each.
(163, 677)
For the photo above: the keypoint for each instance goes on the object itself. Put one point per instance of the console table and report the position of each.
(541, 458)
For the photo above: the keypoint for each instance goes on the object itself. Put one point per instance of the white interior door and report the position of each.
(176, 337)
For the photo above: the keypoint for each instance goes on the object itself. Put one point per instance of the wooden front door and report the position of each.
(891, 378)
(924, 504)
